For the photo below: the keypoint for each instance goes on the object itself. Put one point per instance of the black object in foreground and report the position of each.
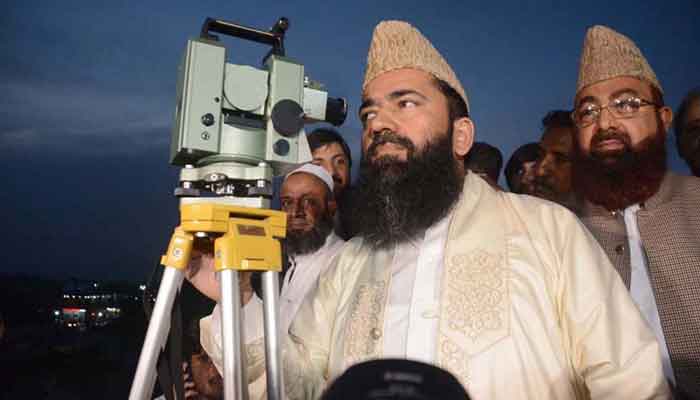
(393, 379)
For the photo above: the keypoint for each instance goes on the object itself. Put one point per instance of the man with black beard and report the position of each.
(309, 202)
(645, 217)
(508, 293)
(397, 198)
(307, 197)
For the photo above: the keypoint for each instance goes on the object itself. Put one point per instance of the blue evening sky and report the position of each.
(88, 93)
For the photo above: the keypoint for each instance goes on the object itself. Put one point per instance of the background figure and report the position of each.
(395, 379)
(552, 173)
(520, 169)
(202, 381)
(687, 127)
(330, 151)
(486, 161)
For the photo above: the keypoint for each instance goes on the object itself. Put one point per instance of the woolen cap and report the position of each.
(608, 54)
(397, 45)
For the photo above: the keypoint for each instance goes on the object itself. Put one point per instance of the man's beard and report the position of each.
(615, 180)
(305, 242)
(395, 200)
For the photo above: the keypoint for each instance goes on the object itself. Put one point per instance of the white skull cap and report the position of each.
(316, 171)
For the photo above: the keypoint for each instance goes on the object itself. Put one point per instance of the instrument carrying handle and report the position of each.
(274, 37)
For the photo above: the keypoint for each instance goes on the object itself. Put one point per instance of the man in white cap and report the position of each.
(508, 293)
(307, 197)
(644, 216)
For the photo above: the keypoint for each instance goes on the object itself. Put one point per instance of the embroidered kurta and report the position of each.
(529, 308)
(669, 231)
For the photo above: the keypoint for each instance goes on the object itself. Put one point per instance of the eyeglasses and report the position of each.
(624, 107)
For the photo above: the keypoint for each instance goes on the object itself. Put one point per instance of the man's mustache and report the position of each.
(387, 136)
(610, 134)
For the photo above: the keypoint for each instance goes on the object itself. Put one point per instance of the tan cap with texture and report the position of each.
(396, 45)
(608, 54)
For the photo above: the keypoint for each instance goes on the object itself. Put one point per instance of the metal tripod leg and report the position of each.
(235, 382)
(157, 335)
(273, 350)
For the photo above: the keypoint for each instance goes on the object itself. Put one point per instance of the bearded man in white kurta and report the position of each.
(509, 293)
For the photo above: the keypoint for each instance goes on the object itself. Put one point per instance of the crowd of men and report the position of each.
(426, 258)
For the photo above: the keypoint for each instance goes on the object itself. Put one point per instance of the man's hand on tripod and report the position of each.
(202, 275)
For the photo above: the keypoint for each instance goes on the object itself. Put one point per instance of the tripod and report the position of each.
(247, 239)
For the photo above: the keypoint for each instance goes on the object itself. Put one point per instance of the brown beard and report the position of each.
(616, 180)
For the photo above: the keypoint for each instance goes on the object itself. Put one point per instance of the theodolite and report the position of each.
(235, 128)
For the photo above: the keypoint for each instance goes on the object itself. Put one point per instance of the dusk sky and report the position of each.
(88, 96)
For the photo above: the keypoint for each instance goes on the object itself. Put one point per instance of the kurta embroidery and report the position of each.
(477, 294)
(366, 319)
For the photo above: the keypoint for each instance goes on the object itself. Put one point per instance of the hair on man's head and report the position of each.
(320, 137)
(484, 158)
(558, 118)
(457, 107)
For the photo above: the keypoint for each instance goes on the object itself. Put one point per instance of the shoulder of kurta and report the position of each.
(535, 213)
(346, 261)
(553, 230)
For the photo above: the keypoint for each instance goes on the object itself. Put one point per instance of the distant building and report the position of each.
(85, 304)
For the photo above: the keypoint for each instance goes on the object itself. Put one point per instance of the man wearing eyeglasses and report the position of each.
(645, 217)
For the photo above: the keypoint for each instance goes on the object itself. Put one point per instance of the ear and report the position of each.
(666, 115)
(462, 136)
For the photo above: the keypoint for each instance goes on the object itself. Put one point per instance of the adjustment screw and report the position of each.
(208, 119)
(281, 147)
(205, 135)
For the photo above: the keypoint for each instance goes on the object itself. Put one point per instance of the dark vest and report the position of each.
(669, 227)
